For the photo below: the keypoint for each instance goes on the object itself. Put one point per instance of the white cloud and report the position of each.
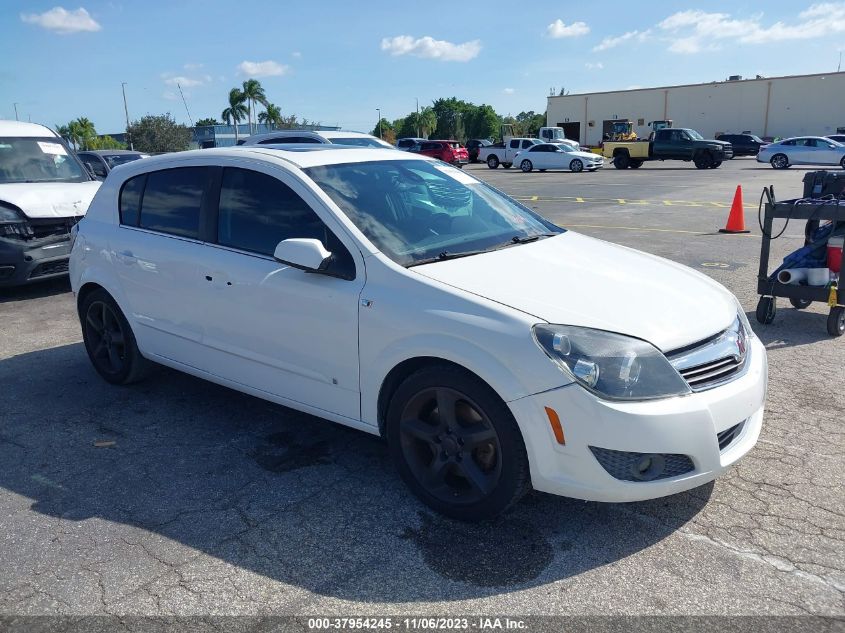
(509, 91)
(296, 54)
(594, 66)
(170, 95)
(694, 30)
(430, 48)
(62, 21)
(192, 67)
(558, 29)
(612, 42)
(185, 82)
(267, 68)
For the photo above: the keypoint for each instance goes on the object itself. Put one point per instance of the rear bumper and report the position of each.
(682, 430)
(23, 262)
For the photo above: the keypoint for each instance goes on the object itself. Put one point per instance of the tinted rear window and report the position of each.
(172, 201)
(130, 200)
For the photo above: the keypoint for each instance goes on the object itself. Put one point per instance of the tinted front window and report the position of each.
(120, 159)
(26, 159)
(414, 210)
(130, 200)
(173, 199)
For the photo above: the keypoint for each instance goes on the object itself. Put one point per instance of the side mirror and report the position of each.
(305, 254)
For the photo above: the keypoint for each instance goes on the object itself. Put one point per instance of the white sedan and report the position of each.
(400, 296)
(557, 156)
(803, 150)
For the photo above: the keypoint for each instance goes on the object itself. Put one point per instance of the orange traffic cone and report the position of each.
(736, 218)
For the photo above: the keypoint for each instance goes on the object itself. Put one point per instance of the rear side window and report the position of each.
(288, 139)
(130, 200)
(257, 211)
(172, 200)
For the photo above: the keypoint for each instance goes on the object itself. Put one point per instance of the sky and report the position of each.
(337, 62)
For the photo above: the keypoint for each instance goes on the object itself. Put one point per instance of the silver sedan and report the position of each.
(803, 150)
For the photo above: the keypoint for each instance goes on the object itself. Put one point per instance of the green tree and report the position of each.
(482, 122)
(105, 142)
(529, 123)
(387, 131)
(85, 131)
(272, 116)
(253, 92)
(236, 111)
(159, 133)
(207, 122)
(64, 132)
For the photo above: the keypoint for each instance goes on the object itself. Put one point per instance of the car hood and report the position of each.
(576, 280)
(50, 199)
(586, 155)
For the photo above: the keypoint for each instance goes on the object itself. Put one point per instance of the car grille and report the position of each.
(52, 226)
(628, 466)
(714, 361)
(56, 267)
(727, 437)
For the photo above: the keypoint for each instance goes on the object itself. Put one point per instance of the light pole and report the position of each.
(379, 121)
(126, 112)
(16, 112)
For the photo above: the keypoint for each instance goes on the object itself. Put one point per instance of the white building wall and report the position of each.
(777, 106)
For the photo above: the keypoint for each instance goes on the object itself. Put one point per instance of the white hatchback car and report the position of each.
(398, 295)
(557, 156)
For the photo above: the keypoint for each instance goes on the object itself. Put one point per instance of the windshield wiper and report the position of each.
(442, 257)
(516, 239)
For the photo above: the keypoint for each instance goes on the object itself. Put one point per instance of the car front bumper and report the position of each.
(28, 261)
(674, 427)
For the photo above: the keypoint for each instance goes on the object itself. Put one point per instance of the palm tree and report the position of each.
(64, 132)
(236, 110)
(253, 92)
(272, 116)
(86, 130)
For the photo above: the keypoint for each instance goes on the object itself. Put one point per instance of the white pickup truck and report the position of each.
(504, 153)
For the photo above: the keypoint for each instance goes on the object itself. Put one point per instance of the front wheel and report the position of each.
(779, 161)
(526, 166)
(703, 161)
(507, 165)
(492, 162)
(766, 308)
(842, 163)
(836, 321)
(456, 444)
(109, 340)
(576, 166)
(800, 304)
(715, 164)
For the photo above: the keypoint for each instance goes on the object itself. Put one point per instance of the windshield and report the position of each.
(757, 139)
(695, 135)
(121, 159)
(416, 211)
(361, 141)
(28, 159)
(554, 133)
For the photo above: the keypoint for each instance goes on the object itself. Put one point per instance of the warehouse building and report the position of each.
(767, 106)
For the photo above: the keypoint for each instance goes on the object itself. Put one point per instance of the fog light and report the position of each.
(648, 467)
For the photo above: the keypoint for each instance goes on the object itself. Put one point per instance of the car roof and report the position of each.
(795, 138)
(22, 128)
(298, 155)
(110, 152)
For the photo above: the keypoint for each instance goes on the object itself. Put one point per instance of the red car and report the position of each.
(448, 151)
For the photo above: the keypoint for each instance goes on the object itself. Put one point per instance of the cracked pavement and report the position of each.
(213, 502)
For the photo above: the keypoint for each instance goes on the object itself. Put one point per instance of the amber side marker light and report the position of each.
(554, 420)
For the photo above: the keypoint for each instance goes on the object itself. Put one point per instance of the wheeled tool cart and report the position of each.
(769, 287)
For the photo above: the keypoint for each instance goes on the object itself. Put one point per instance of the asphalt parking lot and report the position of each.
(176, 496)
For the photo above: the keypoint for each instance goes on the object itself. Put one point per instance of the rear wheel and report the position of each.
(779, 161)
(842, 163)
(800, 304)
(636, 164)
(456, 444)
(492, 162)
(526, 166)
(576, 165)
(109, 340)
(621, 161)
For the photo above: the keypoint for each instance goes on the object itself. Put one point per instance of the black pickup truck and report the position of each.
(669, 144)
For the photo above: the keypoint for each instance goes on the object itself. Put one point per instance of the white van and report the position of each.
(44, 191)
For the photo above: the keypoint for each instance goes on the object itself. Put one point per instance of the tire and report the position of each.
(621, 161)
(507, 165)
(766, 309)
(800, 304)
(493, 161)
(432, 455)
(779, 161)
(703, 160)
(541, 171)
(842, 163)
(836, 321)
(715, 164)
(576, 165)
(109, 340)
(526, 166)
(636, 164)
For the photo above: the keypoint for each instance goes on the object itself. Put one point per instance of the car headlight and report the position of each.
(743, 319)
(13, 223)
(613, 366)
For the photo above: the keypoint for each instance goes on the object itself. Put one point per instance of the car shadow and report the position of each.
(791, 327)
(38, 290)
(178, 466)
